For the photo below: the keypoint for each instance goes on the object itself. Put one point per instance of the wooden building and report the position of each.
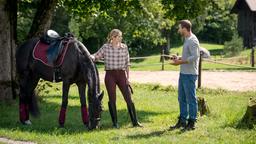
(246, 11)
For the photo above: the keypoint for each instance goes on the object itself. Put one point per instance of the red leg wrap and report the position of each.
(85, 115)
(62, 116)
(23, 112)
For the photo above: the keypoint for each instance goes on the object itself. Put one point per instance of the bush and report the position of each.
(233, 47)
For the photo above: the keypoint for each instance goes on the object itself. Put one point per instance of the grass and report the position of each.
(152, 63)
(157, 109)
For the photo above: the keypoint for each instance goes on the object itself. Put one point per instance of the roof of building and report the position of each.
(251, 4)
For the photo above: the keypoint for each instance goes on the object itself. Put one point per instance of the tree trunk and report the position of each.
(8, 18)
(43, 18)
(203, 107)
(249, 119)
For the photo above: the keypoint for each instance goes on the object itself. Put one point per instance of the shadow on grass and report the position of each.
(47, 123)
(70, 97)
(240, 125)
(245, 125)
(147, 135)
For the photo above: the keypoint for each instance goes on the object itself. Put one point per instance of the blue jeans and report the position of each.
(187, 97)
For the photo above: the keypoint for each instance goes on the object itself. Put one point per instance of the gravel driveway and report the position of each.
(240, 81)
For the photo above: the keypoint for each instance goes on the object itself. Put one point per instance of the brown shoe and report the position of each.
(191, 125)
(179, 124)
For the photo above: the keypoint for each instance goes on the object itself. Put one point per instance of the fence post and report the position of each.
(252, 56)
(162, 59)
(200, 71)
(253, 48)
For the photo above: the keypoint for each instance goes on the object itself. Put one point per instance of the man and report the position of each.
(188, 76)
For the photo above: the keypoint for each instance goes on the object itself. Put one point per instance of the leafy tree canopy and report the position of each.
(184, 9)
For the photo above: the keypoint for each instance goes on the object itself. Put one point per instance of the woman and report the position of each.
(116, 59)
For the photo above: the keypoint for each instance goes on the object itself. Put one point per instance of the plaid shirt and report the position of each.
(114, 58)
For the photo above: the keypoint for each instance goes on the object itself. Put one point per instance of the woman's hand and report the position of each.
(127, 81)
(92, 57)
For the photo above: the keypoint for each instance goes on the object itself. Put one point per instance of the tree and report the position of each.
(41, 22)
(43, 18)
(8, 25)
(8, 10)
(219, 25)
(184, 9)
(141, 27)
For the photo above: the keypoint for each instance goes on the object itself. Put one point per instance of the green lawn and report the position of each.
(152, 62)
(157, 109)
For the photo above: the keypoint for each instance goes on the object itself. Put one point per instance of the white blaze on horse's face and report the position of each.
(99, 105)
(97, 108)
(100, 96)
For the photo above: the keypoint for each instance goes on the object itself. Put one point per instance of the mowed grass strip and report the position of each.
(157, 109)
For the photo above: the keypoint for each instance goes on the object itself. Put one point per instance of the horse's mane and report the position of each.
(92, 71)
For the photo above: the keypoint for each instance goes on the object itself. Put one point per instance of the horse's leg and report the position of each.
(27, 86)
(65, 90)
(23, 101)
(84, 111)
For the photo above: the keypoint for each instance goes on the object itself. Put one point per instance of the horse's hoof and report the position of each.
(61, 125)
(91, 128)
(27, 122)
(86, 126)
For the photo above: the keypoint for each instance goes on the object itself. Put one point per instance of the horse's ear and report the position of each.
(100, 97)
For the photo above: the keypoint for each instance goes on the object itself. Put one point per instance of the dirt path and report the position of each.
(9, 141)
(240, 81)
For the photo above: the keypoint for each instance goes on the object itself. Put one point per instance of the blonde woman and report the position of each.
(116, 59)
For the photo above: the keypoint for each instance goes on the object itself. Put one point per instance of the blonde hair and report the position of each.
(114, 32)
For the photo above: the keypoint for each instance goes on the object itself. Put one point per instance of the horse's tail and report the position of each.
(27, 99)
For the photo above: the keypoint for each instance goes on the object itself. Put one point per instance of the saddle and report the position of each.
(51, 50)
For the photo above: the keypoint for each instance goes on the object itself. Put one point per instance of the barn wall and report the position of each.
(246, 24)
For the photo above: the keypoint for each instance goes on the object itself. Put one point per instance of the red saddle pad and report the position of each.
(40, 53)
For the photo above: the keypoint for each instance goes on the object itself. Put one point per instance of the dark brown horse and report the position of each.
(77, 68)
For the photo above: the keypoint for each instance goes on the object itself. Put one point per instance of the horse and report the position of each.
(77, 67)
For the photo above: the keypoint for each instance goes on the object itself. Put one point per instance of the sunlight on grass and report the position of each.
(157, 108)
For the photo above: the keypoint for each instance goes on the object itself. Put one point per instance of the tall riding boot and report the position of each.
(113, 113)
(132, 112)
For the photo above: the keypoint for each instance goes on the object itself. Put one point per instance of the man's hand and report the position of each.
(175, 57)
(177, 62)
(127, 81)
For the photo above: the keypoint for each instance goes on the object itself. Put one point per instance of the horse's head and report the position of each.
(94, 94)
(95, 109)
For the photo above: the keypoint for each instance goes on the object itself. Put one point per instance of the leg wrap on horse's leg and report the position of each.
(27, 112)
(85, 115)
(62, 116)
(24, 113)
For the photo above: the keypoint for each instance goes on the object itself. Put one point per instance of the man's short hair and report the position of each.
(186, 24)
